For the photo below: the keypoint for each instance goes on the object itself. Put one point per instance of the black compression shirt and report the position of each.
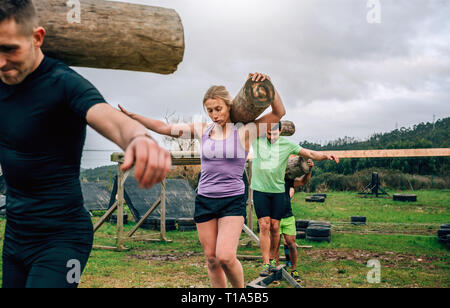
(288, 207)
(42, 134)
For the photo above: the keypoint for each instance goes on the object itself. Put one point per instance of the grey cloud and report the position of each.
(320, 53)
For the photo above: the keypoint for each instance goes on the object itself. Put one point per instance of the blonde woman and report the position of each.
(220, 205)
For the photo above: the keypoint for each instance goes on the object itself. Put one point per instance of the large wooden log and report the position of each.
(296, 167)
(112, 35)
(252, 100)
(287, 128)
(431, 152)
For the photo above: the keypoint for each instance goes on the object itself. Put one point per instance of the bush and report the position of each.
(390, 179)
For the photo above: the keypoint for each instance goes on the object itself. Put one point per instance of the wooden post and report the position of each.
(120, 197)
(106, 216)
(112, 35)
(146, 215)
(163, 211)
(252, 100)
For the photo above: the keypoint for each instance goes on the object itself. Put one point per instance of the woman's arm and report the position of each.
(179, 130)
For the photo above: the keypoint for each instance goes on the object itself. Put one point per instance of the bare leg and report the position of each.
(230, 229)
(274, 239)
(293, 254)
(207, 233)
(264, 238)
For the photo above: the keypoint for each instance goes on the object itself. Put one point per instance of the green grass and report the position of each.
(401, 236)
(431, 207)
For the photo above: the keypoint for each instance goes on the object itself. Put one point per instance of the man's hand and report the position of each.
(152, 163)
(332, 157)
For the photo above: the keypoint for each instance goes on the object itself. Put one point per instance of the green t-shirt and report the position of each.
(269, 163)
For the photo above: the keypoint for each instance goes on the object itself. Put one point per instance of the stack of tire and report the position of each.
(113, 218)
(444, 235)
(405, 197)
(358, 220)
(186, 224)
(316, 198)
(149, 224)
(318, 231)
(155, 224)
(301, 226)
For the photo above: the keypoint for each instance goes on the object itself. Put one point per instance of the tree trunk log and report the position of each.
(112, 35)
(253, 99)
(287, 128)
(296, 167)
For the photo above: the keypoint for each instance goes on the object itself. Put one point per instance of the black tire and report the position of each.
(186, 229)
(168, 228)
(358, 220)
(315, 199)
(171, 221)
(186, 222)
(113, 219)
(442, 240)
(405, 197)
(446, 226)
(151, 221)
(301, 224)
(316, 231)
(300, 235)
(443, 232)
(301, 229)
(319, 223)
(320, 195)
(318, 239)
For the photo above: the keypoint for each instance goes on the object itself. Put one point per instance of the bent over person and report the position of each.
(44, 109)
(288, 225)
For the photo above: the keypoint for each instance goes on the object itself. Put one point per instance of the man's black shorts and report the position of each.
(269, 204)
(207, 209)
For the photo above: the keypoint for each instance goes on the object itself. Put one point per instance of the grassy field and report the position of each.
(401, 236)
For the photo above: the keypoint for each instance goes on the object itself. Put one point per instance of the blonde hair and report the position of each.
(218, 92)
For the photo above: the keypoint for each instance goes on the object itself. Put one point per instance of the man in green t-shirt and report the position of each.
(271, 154)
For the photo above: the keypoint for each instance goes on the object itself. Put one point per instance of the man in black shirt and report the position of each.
(44, 109)
(287, 224)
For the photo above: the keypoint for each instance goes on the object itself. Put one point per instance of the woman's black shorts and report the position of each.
(207, 209)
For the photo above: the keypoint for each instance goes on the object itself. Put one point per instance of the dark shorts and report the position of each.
(207, 209)
(269, 204)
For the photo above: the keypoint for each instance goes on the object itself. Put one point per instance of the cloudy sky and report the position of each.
(338, 74)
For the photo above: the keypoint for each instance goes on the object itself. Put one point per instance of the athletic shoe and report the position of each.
(265, 270)
(296, 276)
(273, 266)
(288, 264)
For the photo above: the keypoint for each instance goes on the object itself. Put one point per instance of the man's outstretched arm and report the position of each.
(152, 163)
(317, 156)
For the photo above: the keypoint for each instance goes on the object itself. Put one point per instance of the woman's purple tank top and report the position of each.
(223, 163)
